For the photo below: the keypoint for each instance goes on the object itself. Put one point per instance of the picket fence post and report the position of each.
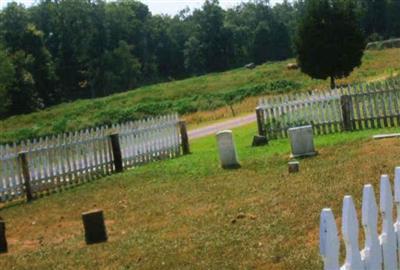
(184, 138)
(388, 237)
(260, 122)
(371, 254)
(329, 240)
(347, 107)
(116, 150)
(380, 251)
(23, 162)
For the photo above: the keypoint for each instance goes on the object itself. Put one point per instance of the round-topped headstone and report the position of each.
(227, 150)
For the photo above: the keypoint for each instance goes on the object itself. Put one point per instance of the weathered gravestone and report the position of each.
(302, 141)
(95, 229)
(227, 150)
(3, 240)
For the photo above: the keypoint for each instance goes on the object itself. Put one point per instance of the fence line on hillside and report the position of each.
(380, 251)
(357, 107)
(40, 166)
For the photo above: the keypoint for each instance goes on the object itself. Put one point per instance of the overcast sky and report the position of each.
(160, 6)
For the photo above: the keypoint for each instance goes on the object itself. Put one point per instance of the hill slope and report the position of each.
(200, 99)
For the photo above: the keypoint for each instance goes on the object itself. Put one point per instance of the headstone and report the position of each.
(294, 166)
(95, 229)
(227, 150)
(302, 141)
(259, 140)
(3, 239)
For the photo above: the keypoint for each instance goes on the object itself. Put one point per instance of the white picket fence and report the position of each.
(371, 105)
(381, 252)
(61, 161)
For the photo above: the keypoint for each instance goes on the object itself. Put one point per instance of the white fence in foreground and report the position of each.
(381, 252)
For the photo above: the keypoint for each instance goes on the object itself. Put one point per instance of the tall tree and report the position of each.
(214, 37)
(7, 74)
(122, 69)
(329, 42)
(36, 71)
(374, 16)
(393, 18)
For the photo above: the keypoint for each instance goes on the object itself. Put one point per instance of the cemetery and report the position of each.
(195, 199)
(262, 185)
(207, 138)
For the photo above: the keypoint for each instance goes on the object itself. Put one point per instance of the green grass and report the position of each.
(179, 214)
(199, 99)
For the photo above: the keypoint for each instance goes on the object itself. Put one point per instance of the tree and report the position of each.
(393, 21)
(374, 16)
(194, 57)
(122, 69)
(214, 37)
(329, 43)
(7, 74)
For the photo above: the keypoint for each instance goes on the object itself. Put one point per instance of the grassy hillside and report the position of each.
(183, 213)
(199, 99)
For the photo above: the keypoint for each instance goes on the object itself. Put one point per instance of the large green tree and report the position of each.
(330, 43)
(7, 74)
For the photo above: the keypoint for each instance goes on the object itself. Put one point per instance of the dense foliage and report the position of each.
(330, 42)
(62, 50)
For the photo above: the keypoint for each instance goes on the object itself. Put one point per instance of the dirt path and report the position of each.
(214, 128)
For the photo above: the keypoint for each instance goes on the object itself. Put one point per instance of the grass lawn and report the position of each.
(196, 98)
(183, 213)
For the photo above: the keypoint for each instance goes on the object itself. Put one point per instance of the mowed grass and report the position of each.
(187, 95)
(183, 213)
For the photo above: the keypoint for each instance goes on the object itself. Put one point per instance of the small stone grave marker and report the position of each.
(3, 239)
(259, 140)
(227, 150)
(95, 229)
(294, 166)
(302, 141)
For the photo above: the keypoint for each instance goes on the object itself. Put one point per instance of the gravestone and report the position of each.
(301, 141)
(227, 150)
(95, 229)
(259, 140)
(293, 166)
(3, 239)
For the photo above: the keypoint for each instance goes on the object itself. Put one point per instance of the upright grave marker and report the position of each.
(227, 150)
(293, 166)
(3, 239)
(95, 229)
(302, 141)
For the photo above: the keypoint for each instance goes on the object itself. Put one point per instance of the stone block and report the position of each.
(3, 239)
(259, 140)
(293, 166)
(95, 229)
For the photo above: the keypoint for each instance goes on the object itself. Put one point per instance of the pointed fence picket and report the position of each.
(380, 252)
(58, 162)
(370, 105)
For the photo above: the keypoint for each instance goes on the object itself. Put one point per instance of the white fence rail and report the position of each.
(381, 252)
(69, 159)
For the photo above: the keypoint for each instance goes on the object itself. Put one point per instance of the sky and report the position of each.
(170, 7)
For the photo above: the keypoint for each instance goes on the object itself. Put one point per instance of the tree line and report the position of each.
(62, 50)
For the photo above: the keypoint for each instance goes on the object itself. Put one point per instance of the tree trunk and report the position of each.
(232, 110)
(333, 85)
